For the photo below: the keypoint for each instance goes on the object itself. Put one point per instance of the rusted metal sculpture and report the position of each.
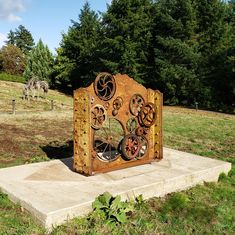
(117, 124)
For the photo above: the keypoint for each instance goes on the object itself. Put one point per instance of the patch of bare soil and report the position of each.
(28, 136)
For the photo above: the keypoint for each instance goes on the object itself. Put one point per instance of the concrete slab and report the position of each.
(53, 193)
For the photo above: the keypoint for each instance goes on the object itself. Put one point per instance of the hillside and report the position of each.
(13, 90)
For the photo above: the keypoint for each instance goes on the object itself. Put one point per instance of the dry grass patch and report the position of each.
(13, 90)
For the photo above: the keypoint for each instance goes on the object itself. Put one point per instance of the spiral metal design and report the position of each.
(105, 86)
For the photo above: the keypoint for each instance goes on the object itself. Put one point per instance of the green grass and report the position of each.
(11, 78)
(204, 133)
(15, 220)
(204, 209)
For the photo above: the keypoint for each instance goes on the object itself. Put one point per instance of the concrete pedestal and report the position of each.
(53, 193)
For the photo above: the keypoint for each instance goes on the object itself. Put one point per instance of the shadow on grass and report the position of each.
(58, 150)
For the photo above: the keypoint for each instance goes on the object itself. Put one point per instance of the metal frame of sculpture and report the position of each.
(117, 124)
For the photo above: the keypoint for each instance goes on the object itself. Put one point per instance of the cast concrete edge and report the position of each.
(157, 188)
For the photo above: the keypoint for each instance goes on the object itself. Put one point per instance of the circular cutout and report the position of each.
(107, 140)
(98, 116)
(143, 147)
(131, 124)
(148, 114)
(130, 146)
(136, 103)
(105, 86)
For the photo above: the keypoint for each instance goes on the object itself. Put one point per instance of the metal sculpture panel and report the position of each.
(117, 124)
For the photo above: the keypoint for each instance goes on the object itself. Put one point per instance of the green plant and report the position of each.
(112, 208)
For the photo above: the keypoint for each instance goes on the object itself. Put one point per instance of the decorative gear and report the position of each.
(136, 103)
(105, 86)
(130, 146)
(117, 103)
(143, 147)
(139, 131)
(98, 116)
(148, 114)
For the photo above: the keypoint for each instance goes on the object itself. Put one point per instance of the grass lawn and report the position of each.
(204, 209)
(13, 91)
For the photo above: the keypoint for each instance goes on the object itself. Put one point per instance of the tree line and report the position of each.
(184, 48)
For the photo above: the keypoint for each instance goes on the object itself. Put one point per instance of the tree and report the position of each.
(176, 55)
(13, 60)
(63, 70)
(79, 47)
(216, 44)
(21, 38)
(11, 38)
(126, 38)
(39, 63)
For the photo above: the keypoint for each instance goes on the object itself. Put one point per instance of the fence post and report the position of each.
(13, 107)
(196, 106)
(52, 104)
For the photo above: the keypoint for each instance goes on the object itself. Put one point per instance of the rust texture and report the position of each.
(117, 124)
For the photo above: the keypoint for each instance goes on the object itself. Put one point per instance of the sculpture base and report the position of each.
(53, 193)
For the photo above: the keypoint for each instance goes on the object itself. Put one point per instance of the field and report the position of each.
(36, 134)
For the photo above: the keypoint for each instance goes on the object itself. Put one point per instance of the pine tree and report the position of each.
(79, 47)
(11, 38)
(64, 70)
(23, 39)
(176, 55)
(126, 38)
(216, 44)
(39, 63)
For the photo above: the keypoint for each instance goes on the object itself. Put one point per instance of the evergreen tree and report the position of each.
(176, 55)
(39, 63)
(11, 38)
(63, 70)
(126, 38)
(24, 39)
(216, 39)
(79, 47)
(21, 38)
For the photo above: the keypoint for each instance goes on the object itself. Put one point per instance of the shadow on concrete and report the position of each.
(68, 162)
(56, 150)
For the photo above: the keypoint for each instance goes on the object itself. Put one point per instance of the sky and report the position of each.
(45, 19)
